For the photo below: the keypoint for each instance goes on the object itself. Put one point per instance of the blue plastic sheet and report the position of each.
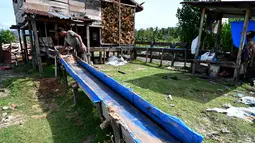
(237, 28)
(171, 124)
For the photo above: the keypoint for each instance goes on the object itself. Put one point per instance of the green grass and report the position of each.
(68, 123)
(64, 121)
(191, 97)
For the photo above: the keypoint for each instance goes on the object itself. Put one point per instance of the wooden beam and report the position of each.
(32, 47)
(238, 60)
(121, 3)
(54, 20)
(37, 48)
(199, 40)
(25, 46)
(88, 44)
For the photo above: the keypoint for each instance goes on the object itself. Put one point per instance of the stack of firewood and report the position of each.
(110, 23)
(127, 25)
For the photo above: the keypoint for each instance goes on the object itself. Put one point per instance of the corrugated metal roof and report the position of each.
(42, 13)
(59, 15)
(55, 15)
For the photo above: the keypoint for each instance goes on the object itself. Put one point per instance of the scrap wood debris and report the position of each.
(7, 121)
(42, 116)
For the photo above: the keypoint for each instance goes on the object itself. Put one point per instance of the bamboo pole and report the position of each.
(238, 60)
(199, 40)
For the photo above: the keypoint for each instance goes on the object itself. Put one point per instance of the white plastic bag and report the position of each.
(207, 56)
(194, 45)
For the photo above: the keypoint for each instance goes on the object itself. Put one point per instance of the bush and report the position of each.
(6, 36)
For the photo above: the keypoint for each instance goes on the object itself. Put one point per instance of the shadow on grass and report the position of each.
(195, 89)
(69, 123)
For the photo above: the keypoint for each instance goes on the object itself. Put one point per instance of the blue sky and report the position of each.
(159, 13)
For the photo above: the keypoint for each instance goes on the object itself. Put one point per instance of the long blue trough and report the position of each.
(143, 120)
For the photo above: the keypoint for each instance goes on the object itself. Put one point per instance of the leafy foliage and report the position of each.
(226, 37)
(189, 21)
(6, 36)
(170, 34)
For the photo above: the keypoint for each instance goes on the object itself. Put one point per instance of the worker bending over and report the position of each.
(75, 41)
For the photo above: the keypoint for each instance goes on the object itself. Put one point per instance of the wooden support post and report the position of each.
(37, 48)
(76, 28)
(93, 57)
(217, 41)
(46, 35)
(32, 47)
(118, 54)
(75, 91)
(104, 55)
(238, 61)
(173, 59)
(21, 46)
(147, 54)
(107, 54)
(151, 56)
(100, 57)
(88, 44)
(135, 54)
(65, 77)
(25, 46)
(116, 131)
(199, 41)
(56, 33)
(56, 66)
(162, 57)
(185, 57)
(121, 52)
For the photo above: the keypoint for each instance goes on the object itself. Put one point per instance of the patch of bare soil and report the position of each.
(7, 74)
(50, 88)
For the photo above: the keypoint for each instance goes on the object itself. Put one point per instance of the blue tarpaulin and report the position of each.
(237, 28)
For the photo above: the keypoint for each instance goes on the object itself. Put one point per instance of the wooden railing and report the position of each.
(163, 49)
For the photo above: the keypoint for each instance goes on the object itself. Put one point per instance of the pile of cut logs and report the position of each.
(110, 22)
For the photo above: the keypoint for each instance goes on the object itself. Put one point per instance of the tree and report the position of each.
(169, 34)
(6, 36)
(189, 22)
